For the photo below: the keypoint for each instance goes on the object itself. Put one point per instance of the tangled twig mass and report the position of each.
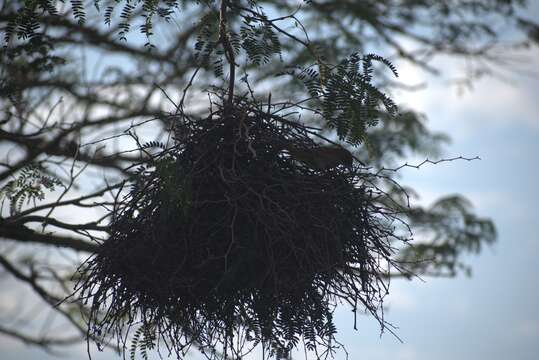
(226, 241)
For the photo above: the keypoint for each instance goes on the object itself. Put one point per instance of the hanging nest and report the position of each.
(226, 238)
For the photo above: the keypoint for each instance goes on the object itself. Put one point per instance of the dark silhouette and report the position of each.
(61, 106)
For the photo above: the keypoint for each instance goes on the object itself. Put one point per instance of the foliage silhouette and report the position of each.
(41, 74)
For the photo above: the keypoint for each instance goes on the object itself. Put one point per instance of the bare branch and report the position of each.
(44, 342)
(25, 235)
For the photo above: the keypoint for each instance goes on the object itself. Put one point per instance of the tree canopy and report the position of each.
(77, 76)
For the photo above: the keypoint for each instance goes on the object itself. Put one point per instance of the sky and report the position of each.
(494, 313)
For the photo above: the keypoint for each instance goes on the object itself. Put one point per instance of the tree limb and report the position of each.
(24, 234)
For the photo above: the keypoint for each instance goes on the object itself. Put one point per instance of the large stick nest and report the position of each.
(226, 237)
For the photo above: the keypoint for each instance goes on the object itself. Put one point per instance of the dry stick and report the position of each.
(182, 101)
(229, 52)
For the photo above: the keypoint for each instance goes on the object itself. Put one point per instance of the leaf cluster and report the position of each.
(259, 39)
(256, 38)
(458, 230)
(144, 339)
(26, 62)
(346, 97)
(29, 186)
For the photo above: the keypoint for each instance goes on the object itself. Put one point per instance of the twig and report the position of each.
(180, 105)
(44, 342)
(229, 52)
(427, 161)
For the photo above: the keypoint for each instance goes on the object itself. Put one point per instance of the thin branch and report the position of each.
(427, 161)
(26, 235)
(229, 51)
(50, 299)
(45, 342)
(75, 202)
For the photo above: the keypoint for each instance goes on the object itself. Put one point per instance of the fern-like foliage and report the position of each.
(148, 10)
(125, 22)
(144, 339)
(206, 42)
(256, 37)
(24, 20)
(346, 97)
(153, 144)
(259, 39)
(28, 187)
(26, 16)
(457, 230)
(25, 62)
(77, 6)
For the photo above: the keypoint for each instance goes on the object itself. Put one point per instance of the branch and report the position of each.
(229, 52)
(50, 221)
(44, 341)
(31, 280)
(427, 161)
(75, 202)
(50, 299)
(24, 234)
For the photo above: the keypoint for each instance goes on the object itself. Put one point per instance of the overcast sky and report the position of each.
(492, 315)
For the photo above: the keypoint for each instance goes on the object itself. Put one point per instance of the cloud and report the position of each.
(527, 328)
(504, 102)
(401, 297)
(406, 352)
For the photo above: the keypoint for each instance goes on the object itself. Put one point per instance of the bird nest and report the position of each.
(226, 240)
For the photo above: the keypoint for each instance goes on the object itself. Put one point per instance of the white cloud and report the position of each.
(527, 328)
(8, 301)
(401, 297)
(491, 102)
(407, 352)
